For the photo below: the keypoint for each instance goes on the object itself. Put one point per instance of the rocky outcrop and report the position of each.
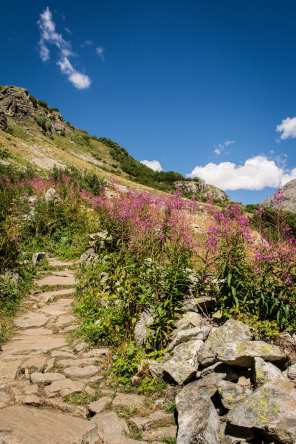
(289, 200)
(15, 102)
(3, 121)
(221, 336)
(202, 189)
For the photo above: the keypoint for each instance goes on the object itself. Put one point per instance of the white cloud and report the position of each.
(255, 174)
(49, 36)
(287, 128)
(228, 142)
(79, 80)
(221, 146)
(100, 52)
(67, 30)
(153, 164)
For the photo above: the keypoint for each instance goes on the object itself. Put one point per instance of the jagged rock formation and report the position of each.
(16, 102)
(289, 202)
(3, 121)
(202, 189)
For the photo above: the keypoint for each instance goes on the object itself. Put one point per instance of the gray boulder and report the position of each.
(223, 335)
(231, 394)
(183, 363)
(189, 320)
(271, 408)
(265, 371)
(37, 257)
(201, 333)
(242, 353)
(140, 332)
(198, 421)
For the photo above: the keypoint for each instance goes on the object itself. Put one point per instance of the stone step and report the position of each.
(27, 425)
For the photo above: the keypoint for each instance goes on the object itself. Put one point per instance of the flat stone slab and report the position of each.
(24, 345)
(55, 309)
(128, 400)
(76, 362)
(36, 332)
(81, 372)
(100, 405)
(63, 273)
(46, 378)
(63, 320)
(53, 262)
(56, 280)
(97, 352)
(161, 433)
(8, 370)
(37, 363)
(31, 319)
(26, 425)
(64, 387)
(112, 429)
(62, 354)
(49, 295)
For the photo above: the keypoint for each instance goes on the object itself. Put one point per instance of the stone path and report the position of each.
(42, 374)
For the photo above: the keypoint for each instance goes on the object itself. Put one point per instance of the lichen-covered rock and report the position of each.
(231, 394)
(268, 408)
(189, 320)
(242, 353)
(283, 431)
(223, 335)
(201, 333)
(140, 332)
(183, 364)
(198, 421)
(265, 371)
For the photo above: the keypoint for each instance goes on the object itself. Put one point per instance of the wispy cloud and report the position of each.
(221, 146)
(255, 174)
(100, 52)
(49, 36)
(287, 128)
(153, 164)
(67, 30)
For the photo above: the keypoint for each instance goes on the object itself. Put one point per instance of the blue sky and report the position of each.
(205, 88)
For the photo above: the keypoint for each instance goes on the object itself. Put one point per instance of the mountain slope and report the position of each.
(35, 134)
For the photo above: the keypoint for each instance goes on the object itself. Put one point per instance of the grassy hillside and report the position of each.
(37, 135)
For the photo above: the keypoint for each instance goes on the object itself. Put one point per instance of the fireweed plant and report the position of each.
(149, 259)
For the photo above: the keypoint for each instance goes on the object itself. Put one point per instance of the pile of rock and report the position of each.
(234, 388)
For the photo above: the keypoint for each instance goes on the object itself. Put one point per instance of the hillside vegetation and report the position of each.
(34, 134)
